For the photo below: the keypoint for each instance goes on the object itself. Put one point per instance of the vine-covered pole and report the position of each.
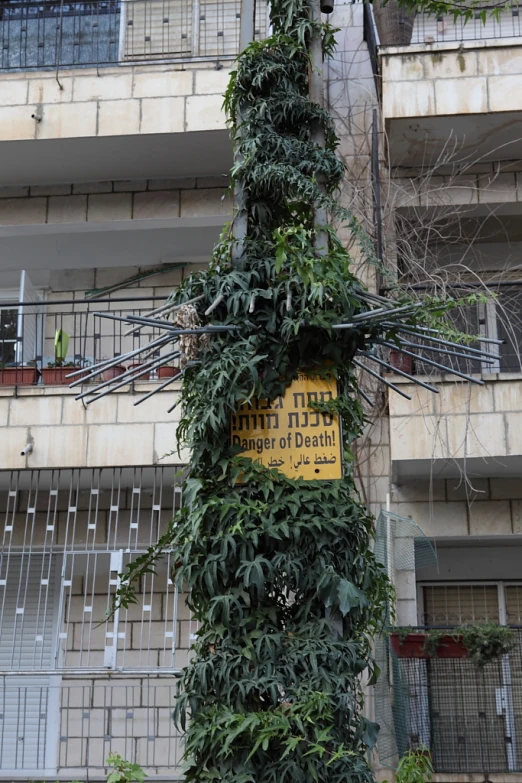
(271, 560)
(316, 95)
(240, 225)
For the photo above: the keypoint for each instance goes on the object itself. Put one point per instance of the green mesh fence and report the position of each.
(400, 545)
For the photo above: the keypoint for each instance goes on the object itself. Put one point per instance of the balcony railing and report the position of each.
(56, 728)
(429, 29)
(30, 335)
(402, 28)
(42, 35)
(470, 718)
(500, 318)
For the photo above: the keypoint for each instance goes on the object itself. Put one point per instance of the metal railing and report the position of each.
(48, 35)
(65, 536)
(29, 332)
(429, 29)
(417, 28)
(469, 718)
(500, 318)
(64, 727)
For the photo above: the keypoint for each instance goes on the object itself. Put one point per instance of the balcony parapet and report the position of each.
(475, 429)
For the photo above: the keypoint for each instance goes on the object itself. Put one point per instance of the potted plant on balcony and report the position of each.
(401, 361)
(55, 374)
(113, 372)
(480, 642)
(167, 371)
(416, 766)
(18, 374)
(137, 367)
(407, 643)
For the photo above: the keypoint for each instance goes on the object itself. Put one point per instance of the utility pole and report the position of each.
(240, 224)
(316, 95)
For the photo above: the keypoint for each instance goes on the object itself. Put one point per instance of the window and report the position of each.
(8, 335)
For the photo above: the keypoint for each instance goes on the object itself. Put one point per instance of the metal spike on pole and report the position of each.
(436, 349)
(132, 374)
(439, 366)
(96, 369)
(380, 378)
(396, 371)
(438, 340)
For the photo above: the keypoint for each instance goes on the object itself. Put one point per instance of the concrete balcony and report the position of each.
(116, 90)
(110, 432)
(476, 429)
(453, 81)
(126, 123)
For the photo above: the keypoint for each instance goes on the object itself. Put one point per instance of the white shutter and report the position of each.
(26, 643)
(513, 595)
(23, 704)
(460, 604)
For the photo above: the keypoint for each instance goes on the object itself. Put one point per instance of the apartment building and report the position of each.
(114, 157)
(450, 102)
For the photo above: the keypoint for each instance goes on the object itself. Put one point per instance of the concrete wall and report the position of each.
(126, 100)
(468, 77)
(110, 432)
(454, 508)
(462, 421)
(108, 201)
(484, 183)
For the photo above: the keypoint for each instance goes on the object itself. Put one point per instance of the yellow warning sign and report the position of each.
(289, 435)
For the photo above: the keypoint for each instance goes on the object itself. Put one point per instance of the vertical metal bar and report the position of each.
(488, 318)
(376, 190)
(59, 46)
(122, 41)
(115, 569)
(2, 733)
(507, 685)
(195, 28)
(316, 95)
(240, 222)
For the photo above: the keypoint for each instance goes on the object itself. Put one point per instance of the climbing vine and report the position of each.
(281, 574)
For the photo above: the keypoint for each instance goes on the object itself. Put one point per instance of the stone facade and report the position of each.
(464, 77)
(122, 200)
(127, 100)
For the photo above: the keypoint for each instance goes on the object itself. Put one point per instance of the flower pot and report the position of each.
(113, 372)
(56, 376)
(167, 372)
(401, 361)
(137, 368)
(18, 376)
(412, 646)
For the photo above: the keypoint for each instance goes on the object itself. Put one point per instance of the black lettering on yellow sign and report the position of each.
(297, 440)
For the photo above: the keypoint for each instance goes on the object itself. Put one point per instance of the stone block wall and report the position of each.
(131, 716)
(461, 77)
(111, 432)
(459, 508)
(125, 100)
(120, 200)
(461, 422)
